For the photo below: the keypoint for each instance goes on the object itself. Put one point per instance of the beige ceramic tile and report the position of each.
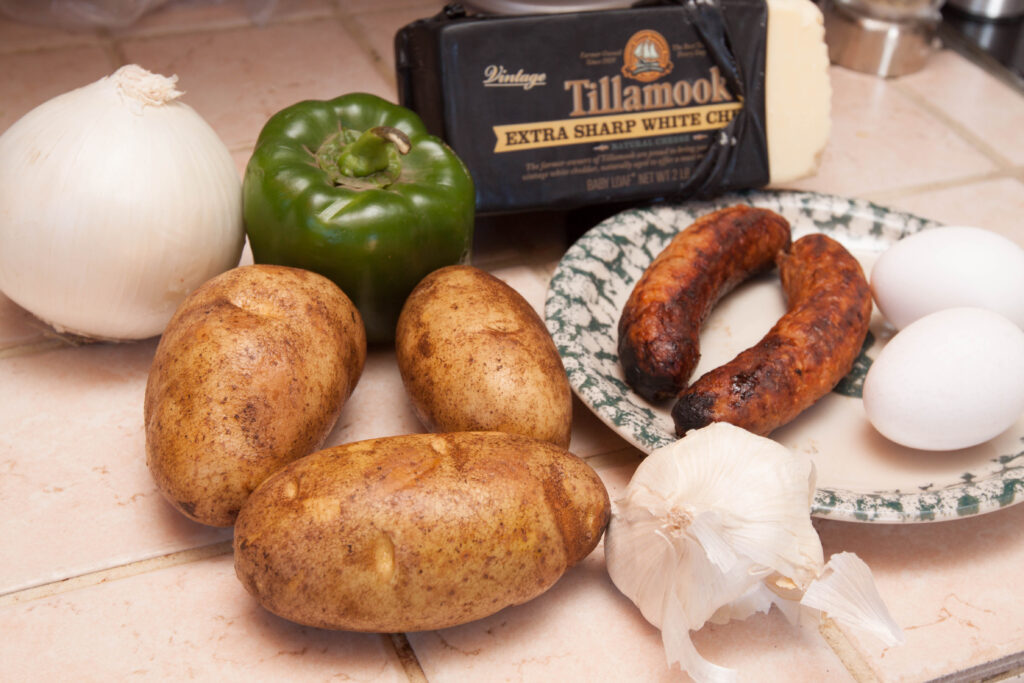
(529, 283)
(584, 629)
(81, 17)
(75, 493)
(18, 327)
(592, 437)
(31, 78)
(992, 204)
(246, 258)
(359, 6)
(985, 106)
(380, 25)
(238, 79)
(882, 140)
(18, 34)
(378, 407)
(241, 157)
(203, 15)
(189, 622)
(954, 588)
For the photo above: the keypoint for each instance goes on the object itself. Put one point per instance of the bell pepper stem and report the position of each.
(369, 153)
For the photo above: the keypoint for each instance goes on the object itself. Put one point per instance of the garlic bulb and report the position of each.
(116, 200)
(717, 526)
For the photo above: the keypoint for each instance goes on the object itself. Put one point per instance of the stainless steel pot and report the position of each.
(990, 9)
(886, 38)
(543, 6)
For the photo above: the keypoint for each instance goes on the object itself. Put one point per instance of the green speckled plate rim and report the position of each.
(601, 268)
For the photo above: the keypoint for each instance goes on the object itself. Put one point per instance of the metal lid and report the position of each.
(544, 6)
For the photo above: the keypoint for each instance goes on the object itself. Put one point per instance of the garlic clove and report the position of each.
(846, 592)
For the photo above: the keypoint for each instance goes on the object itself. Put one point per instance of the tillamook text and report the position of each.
(608, 96)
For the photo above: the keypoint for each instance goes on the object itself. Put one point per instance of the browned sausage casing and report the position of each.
(802, 358)
(659, 331)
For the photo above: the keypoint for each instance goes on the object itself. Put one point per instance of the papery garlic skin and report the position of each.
(847, 593)
(116, 200)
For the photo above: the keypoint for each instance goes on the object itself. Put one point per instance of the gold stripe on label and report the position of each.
(538, 134)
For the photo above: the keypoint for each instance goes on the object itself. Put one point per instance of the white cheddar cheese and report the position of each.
(797, 89)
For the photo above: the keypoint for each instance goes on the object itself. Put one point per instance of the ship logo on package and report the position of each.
(646, 56)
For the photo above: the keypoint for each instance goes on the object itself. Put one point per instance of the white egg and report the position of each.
(947, 267)
(952, 379)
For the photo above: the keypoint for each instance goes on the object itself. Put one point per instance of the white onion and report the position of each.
(116, 201)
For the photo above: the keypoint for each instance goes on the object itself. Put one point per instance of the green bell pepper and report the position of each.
(355, 189)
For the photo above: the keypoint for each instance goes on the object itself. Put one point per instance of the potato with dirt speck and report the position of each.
(417, 532)
(251, 373)
(474, 355)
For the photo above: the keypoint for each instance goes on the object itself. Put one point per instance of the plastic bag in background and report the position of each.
(99, 14)
(79, 14)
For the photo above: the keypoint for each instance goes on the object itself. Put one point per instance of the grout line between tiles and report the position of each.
(73, 583)
(74, 41)
(398, 641)
(122, 39)
(883, 196)
(350, 24)
(407, 657)
(958, 128)
(620, 456)
(848, 655)
(1004, 668)
(231, 24)
(103, 37)
(41, 346)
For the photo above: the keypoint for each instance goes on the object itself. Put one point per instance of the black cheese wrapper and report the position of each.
(559, 111)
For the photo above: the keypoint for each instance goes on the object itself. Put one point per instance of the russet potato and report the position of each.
(417, 532)
(251, 373)
(474, 355)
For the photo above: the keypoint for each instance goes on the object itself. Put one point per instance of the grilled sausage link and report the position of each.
(659, 330)
(802, 357)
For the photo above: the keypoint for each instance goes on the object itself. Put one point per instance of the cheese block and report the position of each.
(581, 108)
(798, 93)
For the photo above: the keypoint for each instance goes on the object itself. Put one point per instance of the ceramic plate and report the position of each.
(860, 475)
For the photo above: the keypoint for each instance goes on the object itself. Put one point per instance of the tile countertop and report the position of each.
(140, 591)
